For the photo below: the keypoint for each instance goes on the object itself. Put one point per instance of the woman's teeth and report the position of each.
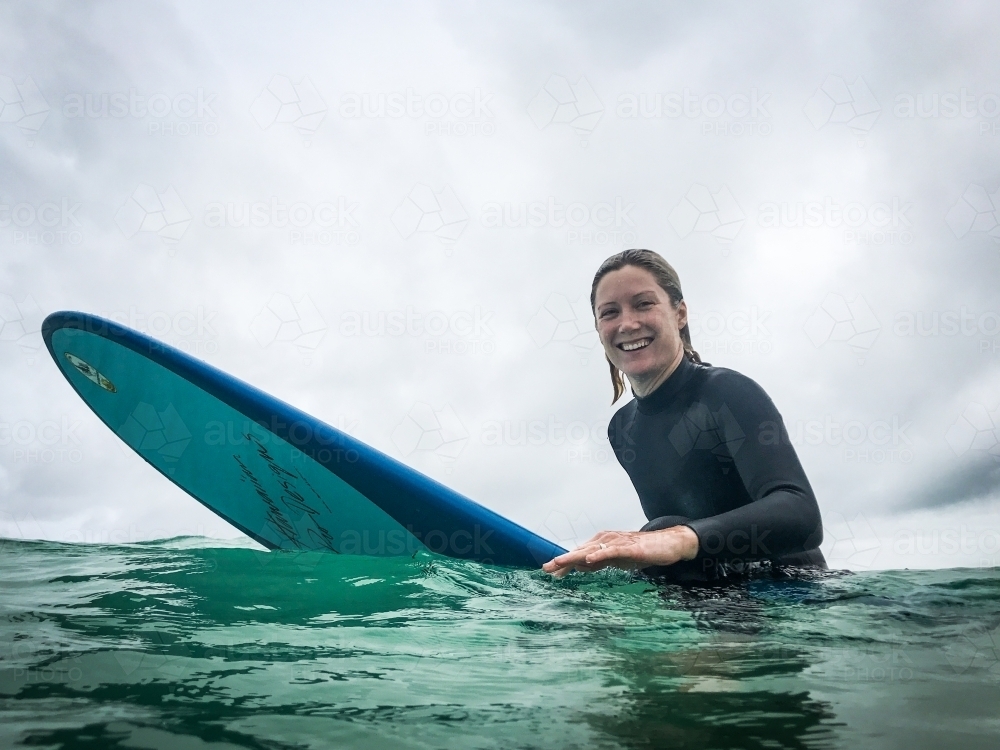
(632, 346)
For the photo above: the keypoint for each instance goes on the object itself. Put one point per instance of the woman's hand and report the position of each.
(628, 550)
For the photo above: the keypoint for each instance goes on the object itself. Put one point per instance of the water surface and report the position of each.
(189, 644)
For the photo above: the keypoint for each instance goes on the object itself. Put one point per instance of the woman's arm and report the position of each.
(782, 517)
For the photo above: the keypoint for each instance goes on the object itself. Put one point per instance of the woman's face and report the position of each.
(637, 323)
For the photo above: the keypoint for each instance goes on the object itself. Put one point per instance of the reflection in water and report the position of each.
(705, 693)
(725, 718)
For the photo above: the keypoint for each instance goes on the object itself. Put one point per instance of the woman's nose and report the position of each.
(628, 323)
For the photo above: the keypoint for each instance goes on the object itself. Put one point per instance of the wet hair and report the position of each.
(667, 279)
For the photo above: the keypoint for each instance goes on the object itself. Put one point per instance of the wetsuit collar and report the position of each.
(661, 398)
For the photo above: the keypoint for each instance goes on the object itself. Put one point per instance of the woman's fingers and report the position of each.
(624, 551)
(576, 559)
(599, 537)
(600, 555)
(580, 567)
(592, 556)
(579, 552)
(579, 555)
(562, 572)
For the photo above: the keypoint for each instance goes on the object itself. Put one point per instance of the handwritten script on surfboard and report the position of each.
(289, 514)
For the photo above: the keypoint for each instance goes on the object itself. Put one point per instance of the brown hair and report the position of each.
(668, 280)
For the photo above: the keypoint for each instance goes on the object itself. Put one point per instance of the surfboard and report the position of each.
(282, 477)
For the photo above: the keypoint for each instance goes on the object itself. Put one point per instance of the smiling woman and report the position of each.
(720, 502)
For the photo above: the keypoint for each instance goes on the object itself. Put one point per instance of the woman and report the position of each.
(704, 446)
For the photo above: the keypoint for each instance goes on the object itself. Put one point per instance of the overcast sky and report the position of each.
(389, 215)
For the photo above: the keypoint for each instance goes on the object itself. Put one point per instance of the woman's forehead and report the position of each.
(627, 281)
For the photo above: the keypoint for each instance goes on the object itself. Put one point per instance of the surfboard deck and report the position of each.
(282, 477)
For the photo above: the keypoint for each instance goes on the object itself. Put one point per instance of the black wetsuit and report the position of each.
(708, 449)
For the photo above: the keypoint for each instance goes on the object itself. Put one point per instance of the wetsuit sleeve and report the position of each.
(783, 516)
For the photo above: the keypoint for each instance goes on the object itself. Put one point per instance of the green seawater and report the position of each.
(189, 643)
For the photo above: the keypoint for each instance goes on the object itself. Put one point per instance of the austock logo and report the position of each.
(440, 214)
(21, 324)
(561, 102)
(878, 441)
(23, 105)
(847, 321)
(284, 320)
(425, 429)
(163, 214)
(701, 210)
(153, 431)
(850, 543)
(192, 112)
(583, 443)
(975, 653)
(461, 114)
(284, 102)
(568, 532)
(700, 428)
(560, 321)
(155, 650)
(879, 223)
(737, 332)
(951, 105)
(330, 222)
(189, 330)
(600, 223)
(960, 322)
(31, 662)
(457, 332)
(979, 540)
(747, 114)
(42, 442)
(46, 223)
(874, 662)
(977, 429)
(976, 211)
(15, 529)
(850, 104)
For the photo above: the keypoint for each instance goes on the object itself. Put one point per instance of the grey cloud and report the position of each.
(977, 478)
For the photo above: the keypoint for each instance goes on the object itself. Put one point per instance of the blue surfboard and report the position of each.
(280, 476)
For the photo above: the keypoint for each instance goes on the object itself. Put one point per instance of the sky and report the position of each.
(389, 215)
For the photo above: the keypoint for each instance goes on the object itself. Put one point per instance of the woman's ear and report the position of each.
(682, 314)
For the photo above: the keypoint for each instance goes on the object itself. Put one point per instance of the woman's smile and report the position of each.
(631, 346)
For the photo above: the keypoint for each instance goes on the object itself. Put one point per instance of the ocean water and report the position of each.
(189, 644)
